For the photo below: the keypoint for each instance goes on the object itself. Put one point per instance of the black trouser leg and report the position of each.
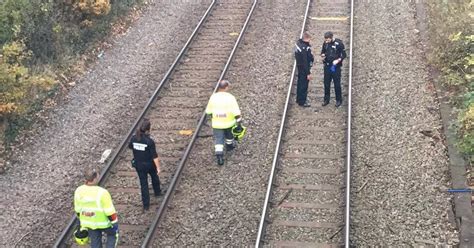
(302, 88)
(112, 238)
(155, 180)
(337, 83)
(229, 139)
(327, 83)
(219, 137)
(95, 237)
(143, 176)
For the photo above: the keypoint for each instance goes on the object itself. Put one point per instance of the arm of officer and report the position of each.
(306, 62)
(156, 160)
(323, 52)
(342, 51)
(311, 57)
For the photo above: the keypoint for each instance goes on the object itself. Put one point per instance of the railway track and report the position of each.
(308, 190)
(176, 113)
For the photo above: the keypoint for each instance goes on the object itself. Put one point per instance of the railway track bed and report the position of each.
(174, 111)
(307, 188)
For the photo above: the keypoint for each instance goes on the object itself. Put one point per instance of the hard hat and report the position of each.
(81, 235)
(238, 131)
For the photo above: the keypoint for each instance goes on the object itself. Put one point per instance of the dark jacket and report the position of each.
(333, 50)
(144, 150)
(304, 57)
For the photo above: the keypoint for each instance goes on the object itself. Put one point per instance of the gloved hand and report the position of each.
(78, 220)
(238, 120)
(115, 227)
(238, 128)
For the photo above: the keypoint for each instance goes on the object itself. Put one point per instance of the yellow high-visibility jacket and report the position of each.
(224, 109)
(93, 204)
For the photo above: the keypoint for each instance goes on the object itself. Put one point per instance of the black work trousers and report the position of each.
(143, 169)
(95, 237)
(302, 88)
(332, 76)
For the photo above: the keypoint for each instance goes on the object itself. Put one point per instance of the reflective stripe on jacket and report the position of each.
(94, 205)
(224, 109)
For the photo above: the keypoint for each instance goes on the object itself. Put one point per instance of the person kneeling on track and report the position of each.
(96, 212)
(225, 115)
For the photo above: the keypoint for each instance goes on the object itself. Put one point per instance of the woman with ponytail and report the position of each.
(145, 161)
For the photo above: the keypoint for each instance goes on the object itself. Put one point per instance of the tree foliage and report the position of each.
(95, 7)
(453, 42)
(45, 35)
(18, 87)
(57, 29)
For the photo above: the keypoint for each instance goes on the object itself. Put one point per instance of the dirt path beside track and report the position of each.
(400, 162)
(37, 189)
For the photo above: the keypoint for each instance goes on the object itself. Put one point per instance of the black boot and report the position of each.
(229, 147)
(220, 159)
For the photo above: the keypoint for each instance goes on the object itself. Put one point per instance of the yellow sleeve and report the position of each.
(77, 208)
(107, 205)
(235, 107)
(209, 107)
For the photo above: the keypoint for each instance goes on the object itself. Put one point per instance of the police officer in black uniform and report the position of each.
(332, 53)
(304, 61)
(145, 160)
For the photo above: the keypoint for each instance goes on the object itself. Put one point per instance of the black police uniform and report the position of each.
(304, 61)
(333, 50)
(144, 151)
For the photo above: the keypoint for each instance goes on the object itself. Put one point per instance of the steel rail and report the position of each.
(261, 227)
(161, 211)
(67, 232)
(348, 148)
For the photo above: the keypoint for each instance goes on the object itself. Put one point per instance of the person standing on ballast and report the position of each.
(332, 53)
(145, 161)
(304, 61)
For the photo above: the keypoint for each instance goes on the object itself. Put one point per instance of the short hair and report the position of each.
(306, 35)
(223, 84)
(90, 174)
(328, 34)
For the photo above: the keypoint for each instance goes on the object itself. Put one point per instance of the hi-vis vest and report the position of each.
(93, 204)
(224, 109)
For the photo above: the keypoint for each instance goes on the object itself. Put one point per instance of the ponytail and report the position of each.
(143, 128)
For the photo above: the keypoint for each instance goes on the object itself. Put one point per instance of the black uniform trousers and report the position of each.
(332, 76)
(143, 169)
(302, 88)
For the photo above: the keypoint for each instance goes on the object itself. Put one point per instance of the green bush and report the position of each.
(54, 30)
(18, 87)
(44, 35)
(453, 42)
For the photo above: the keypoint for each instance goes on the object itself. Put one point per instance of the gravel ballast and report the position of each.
(37, 189)
(219, 206)
(400, 164)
